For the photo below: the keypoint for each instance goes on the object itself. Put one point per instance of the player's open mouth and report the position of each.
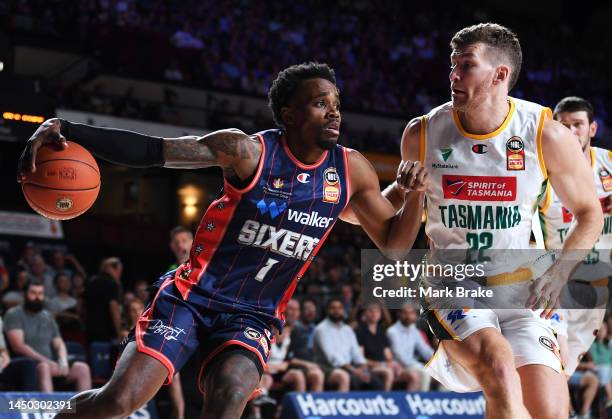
(456, 92)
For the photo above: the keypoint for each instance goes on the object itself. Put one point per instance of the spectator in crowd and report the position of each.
(302, 335)
(408, 342)
(58, 264)
(14, 296)
(131, 313)
(41, 272)
(601, 353)
(18, 373)
(102, 302)
(375, 346)
(64, 306)
(33, 333)
(27, 257)
(585, 382)
(337, 352)
(4, 276)
(181, 239)
(141, 290)
(313, 374)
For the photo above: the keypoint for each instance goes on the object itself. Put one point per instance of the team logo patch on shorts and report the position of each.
(549, 344)
(251, 333)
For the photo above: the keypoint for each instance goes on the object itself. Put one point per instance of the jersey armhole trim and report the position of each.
(260, 166)
(592, 152)
(547, 199)
(544, 115)
(422, 141)
(347, 175)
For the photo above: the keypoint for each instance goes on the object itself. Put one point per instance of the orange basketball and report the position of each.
(66, 182)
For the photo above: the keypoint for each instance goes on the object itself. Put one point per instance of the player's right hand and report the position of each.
(412, 176)
(47, 133)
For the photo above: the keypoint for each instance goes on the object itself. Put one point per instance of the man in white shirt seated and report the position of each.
(407, 341)
(337, 352)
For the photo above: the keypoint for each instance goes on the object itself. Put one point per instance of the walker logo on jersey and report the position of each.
(251, 333)
(479, 188)
(278, 183)
(313, 219)
(479, 148)
(169, 333)
(455, 315)
(515, 154)
(446, 152)
(331, 186)
(606, 180)
(303, 177)
(273, 208)
(567, 215)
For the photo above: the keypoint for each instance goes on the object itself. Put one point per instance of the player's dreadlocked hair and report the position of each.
(289, 80)
(501, 40)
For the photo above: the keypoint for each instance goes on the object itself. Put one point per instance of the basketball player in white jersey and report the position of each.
(556, 220)
(489, 157)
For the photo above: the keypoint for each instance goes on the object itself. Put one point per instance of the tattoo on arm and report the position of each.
(220, 148)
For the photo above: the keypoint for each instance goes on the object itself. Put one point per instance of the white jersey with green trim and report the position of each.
(556, 220)
(485, 188)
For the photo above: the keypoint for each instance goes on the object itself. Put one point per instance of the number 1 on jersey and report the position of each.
(264, 270)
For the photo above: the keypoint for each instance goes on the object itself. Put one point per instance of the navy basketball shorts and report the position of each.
(171, 329)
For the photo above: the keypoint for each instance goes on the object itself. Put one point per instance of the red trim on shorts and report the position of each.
(222, 347)
(139, 334)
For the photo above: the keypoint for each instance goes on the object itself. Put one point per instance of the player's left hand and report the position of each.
(412, 176)
(545, 292)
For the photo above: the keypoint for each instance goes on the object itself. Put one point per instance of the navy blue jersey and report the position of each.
(254, 244)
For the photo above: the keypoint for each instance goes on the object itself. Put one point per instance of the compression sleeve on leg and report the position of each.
(126, 148)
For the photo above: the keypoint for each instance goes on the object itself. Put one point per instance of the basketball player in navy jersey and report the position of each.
(283, 191)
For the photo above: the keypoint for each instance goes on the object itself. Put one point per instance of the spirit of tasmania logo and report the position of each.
(479, 188)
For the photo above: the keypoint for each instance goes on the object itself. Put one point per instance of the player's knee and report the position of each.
(115, 403)
(552, 409)
(228, 391)
(497, 375)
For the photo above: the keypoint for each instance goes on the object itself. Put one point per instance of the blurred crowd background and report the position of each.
(208, 65)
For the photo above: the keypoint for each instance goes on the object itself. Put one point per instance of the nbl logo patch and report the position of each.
(331, 186)
(515, 154)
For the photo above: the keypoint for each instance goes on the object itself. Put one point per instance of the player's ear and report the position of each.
(287, 115)
(593, 129)
(502, 73)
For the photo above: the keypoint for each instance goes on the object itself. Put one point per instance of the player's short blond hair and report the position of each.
(499, 39)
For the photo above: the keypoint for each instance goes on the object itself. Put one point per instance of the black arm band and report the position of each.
(117, 146)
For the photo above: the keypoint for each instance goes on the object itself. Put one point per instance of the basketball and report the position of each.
(66, 182)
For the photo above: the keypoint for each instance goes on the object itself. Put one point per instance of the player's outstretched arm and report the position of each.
(572, 179)
(410, 147)
(230, 149)
(393, 232)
